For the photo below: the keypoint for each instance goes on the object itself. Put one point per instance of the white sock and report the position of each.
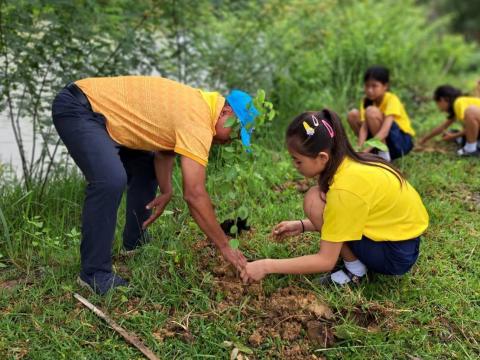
(470, 147)
(385, 155)
(356, 267)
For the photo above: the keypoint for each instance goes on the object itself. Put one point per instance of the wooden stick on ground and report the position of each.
(130, 337)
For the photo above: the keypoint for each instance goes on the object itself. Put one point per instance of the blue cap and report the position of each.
(239, 101)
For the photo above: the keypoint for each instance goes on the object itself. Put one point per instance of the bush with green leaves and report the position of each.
(315, 54)
(353, 35)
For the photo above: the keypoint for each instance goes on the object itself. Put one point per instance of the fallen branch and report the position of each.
(130, 337)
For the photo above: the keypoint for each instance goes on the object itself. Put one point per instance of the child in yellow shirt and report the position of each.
(364, 209)
(382, 115)
(465, 109)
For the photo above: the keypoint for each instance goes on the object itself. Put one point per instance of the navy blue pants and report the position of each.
(386, 257)
(109, 168)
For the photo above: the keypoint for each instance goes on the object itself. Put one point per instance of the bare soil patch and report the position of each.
(293, 314)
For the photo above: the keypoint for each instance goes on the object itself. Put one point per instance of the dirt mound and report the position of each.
(174, 329)
(293, 314)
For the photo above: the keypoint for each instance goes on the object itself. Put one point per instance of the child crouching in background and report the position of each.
(383, 116)
(465, 109)
(365, 210)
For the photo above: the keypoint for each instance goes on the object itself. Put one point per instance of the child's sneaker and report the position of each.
(462, 153)
(101, 281)
(326, 279)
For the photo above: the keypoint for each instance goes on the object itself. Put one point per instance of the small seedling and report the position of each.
(234, 244)
(233, 227)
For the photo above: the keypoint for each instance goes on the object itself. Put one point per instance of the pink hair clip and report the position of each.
(329, 128)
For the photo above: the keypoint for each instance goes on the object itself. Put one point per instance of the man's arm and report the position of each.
(163, 164)
(196, 196)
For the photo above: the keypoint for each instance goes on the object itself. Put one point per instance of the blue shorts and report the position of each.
(399, 143)
(386, 257)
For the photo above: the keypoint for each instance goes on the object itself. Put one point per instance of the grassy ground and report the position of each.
(185, 303)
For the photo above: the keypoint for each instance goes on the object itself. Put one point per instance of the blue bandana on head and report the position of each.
(239, 101)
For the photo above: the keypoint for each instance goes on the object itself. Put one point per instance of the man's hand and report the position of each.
(254, 271)
(158, 205)
(234, 257)
(286, 229)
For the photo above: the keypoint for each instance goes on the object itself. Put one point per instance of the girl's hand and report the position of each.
(422, 141)
(255, 271)
(448, 136)
(287, 228)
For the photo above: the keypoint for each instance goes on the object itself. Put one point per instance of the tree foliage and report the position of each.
(305, 54)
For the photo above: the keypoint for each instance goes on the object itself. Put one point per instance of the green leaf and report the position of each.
(243, 212)
(376, 143)
(230, 122)
(243, 348)
(2, 265)
(271, 115)
(261, 96)
(234, 243)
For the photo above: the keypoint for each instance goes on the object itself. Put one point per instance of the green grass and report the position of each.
(432, 313)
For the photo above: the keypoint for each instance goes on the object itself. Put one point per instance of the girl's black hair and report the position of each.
(448, 93)
(378, 73)
(328, 135)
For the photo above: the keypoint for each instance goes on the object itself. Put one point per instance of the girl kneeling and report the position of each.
(365, 210)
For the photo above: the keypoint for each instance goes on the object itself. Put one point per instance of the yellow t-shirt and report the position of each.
(153, 113)
(369, 200)
(462, 103)
(391, 105)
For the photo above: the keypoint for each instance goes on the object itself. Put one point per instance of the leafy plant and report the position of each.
(375, 143)
(266, 113)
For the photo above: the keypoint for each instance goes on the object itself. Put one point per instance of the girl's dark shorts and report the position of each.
(386, 257)
(399, 143)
